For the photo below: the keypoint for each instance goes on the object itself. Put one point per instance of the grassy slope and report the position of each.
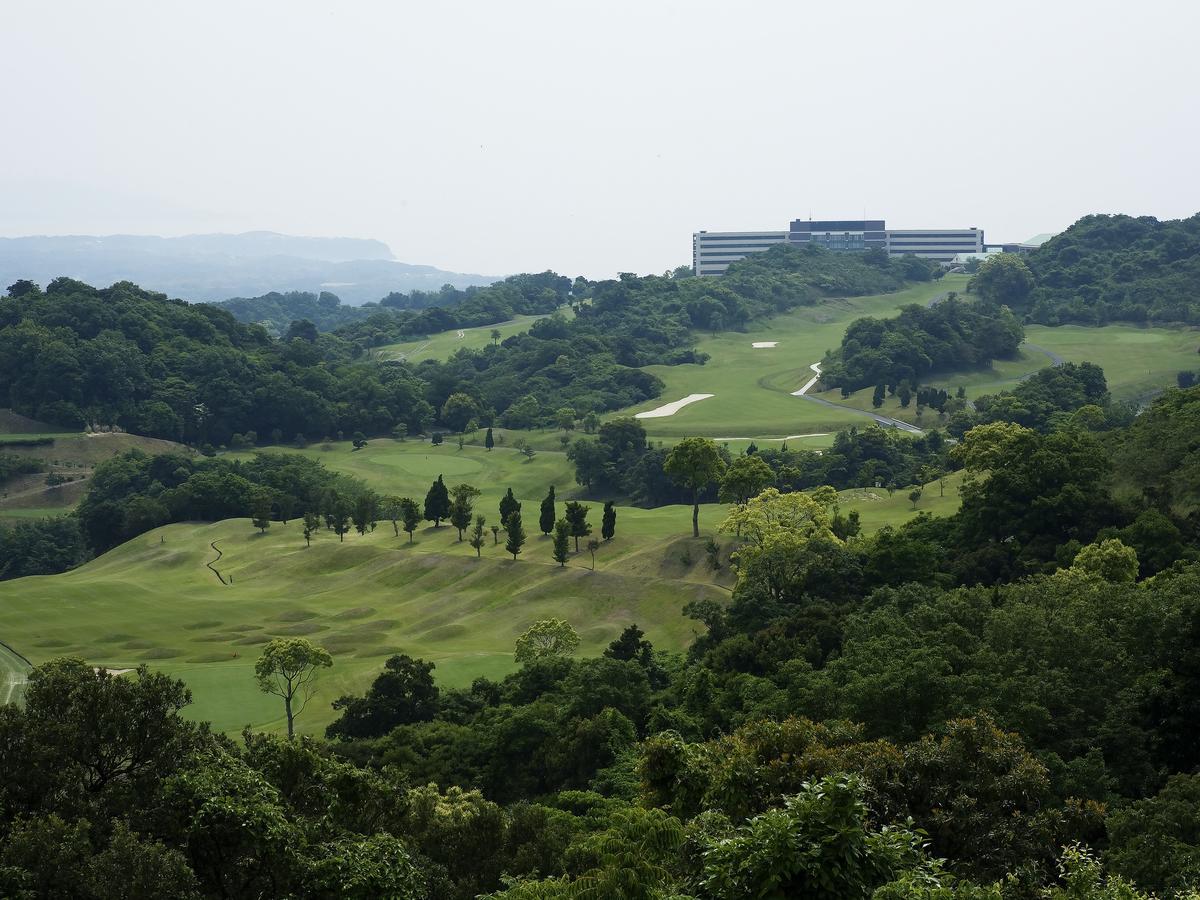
(442, 346)
(153, 600)
(71, 453)
(752, 388)
(1137, 362)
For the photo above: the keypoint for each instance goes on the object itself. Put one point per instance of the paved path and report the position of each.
(885, 421)
(14, 672)
(816, 367)
(1055, 359)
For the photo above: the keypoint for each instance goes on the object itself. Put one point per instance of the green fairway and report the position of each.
(443, 345)
(752, 388)
(153, 600)
(1138, 363)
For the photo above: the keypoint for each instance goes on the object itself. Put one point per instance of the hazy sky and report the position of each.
(594, 137)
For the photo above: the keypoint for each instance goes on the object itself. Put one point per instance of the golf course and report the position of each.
(157, 599)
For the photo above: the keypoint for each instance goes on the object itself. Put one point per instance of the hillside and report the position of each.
(1117, 269)
(209, 267)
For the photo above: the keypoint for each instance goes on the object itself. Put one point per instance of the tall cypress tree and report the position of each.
(546, 521)
(516, 534)
(508, 505)
(488, 440)
(437, 503)
(608, 526)
(562, 546)
(576, 514)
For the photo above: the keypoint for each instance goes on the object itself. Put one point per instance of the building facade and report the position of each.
(713, 251)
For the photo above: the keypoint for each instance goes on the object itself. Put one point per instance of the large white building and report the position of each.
(713, 251)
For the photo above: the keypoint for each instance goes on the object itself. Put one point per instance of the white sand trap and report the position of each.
(764, 345)
(816, 367)
(669, 409)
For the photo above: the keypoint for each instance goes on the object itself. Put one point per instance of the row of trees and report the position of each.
(338, 513)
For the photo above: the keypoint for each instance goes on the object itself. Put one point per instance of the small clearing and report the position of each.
(669, 409)
(764, 345)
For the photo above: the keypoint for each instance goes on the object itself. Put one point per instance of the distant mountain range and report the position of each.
(219, 266)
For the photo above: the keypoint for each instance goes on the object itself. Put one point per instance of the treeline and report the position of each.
(134, 492)
(1049, 397)
(276, 312)
(620, 461)
(14, 464)
(1103, 269)
(954, 334)
(77, 355)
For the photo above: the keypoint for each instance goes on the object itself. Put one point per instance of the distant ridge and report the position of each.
(207, 267)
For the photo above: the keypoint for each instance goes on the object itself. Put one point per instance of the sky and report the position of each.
(590, 137)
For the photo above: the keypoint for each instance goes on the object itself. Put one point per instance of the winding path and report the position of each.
(14, 671)
(220, 577)
(1055, 359)
(885, 421)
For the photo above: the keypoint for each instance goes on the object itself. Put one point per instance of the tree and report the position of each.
(746, 477)
(365, 513)
(462, 506)
(410, 512)
(389, 508)
(488, 440)
(261, 511)
(495, 535)
(546, 639)
(339, 516)
(403, 693)
(1109, 559)
(576, 515)
(593, 545)
(591, 422)
(508, 505)
(437, 503)
(458, 410)
(495, 337)
(1003, 280)
(608, 527)
(565, 418)
(288, 668)
(821, 844)
(359, 440)
(914, 495)
(477, 535)
(516, 534)
(562, 542)
(436, 439)
(312, 524)
(877, 397)
(904, 394)
(695, 463)
(400, 432)
(547, 518)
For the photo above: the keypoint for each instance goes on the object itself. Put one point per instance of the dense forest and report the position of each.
(953, 335)
(1104, 269)
(76, 355)
(399, 317)
(1000, 704)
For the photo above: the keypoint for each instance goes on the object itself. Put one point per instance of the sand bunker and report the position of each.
(669, 409)
(764, 345)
